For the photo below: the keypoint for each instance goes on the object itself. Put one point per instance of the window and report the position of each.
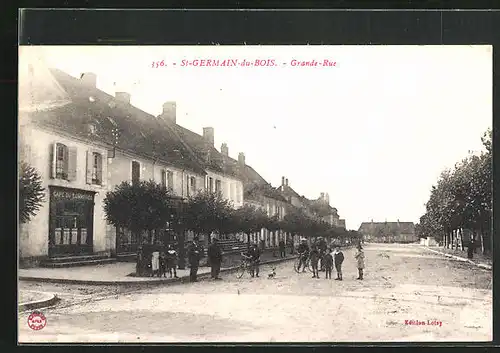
(218, 185)
(210, 184)
(136, 172)
(170, 180)
(187, 185)
(163, 178)
(193, 184)
(61, 161)
(96, 168)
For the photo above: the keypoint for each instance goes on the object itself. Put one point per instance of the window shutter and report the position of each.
(103, 170)
(65, 161)
(72, 163)
(194, 184)
(53, 156)
(90, 161)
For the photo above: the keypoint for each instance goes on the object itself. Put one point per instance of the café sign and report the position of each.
(72, 195)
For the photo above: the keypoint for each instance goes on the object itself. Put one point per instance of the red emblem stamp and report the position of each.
(36, 321)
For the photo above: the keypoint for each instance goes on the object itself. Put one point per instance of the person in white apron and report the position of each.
(155, 263)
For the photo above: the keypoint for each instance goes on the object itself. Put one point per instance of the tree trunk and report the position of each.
(481, 233)
(460, 232)
(452, 239)
(474, 237)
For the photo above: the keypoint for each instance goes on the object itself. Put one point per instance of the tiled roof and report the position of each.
(200, 148)
(254, 184)
(139, 132)
(387, 227)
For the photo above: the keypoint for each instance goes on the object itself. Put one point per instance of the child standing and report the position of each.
(314, 256)
(339, 258)
(328, 263)
(163, 264)
(360, 257)
(172, 261)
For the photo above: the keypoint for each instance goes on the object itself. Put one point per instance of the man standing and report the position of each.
(194, 254)
(470, 248)
(282, 248)
(322, 247)
(303, 250)
(255, 254)
(215, 258)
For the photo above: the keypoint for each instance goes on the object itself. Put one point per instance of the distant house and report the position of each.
(388, 232)
(323, 211)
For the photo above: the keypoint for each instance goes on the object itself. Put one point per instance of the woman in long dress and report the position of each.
(360, 257)
(155, 263)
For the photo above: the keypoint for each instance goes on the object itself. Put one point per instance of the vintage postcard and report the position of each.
(255, 194)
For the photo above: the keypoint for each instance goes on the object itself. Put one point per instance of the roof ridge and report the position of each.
(129, 117)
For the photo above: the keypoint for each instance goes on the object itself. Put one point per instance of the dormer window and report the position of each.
(92, 128)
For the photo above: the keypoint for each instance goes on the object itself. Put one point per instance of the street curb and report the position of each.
(167, 281)
(462, 259)
(51, 300)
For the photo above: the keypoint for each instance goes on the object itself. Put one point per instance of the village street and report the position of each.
(402, 282)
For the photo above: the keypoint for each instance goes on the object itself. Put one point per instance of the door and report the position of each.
(71, 223)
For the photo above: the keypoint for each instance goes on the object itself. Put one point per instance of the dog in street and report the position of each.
(272, 274)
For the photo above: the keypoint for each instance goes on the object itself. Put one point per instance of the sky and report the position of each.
(374, 131)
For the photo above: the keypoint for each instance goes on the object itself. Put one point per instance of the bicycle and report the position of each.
(245, 267)
(307, 265)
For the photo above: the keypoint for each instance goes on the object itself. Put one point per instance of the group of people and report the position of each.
(214, 257)
(163, 262)
(322, 257)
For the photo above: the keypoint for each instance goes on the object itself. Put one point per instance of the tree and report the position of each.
(462, 199)
(208, 212)
(143, 206)
(250, 219)
(31, 192)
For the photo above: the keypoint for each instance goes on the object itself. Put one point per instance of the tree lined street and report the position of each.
(462, 201)
(402, 282)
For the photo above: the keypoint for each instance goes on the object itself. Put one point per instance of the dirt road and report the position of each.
(408, 294)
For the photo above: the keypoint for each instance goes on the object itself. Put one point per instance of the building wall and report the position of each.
(232, 188)
(35, 148)
(121, 170)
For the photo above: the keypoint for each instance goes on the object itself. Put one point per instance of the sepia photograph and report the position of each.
(255, 194)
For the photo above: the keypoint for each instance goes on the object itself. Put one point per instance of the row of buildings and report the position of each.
(84, 142)
(388, 232)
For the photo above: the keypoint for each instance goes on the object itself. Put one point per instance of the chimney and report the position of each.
(327, 198)
(241, 158)
(169, 112)
(208, 135)
(283, 181)
(89, 79)
(286, 181)
(322, 197)
(123, 97)
(224, 149)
